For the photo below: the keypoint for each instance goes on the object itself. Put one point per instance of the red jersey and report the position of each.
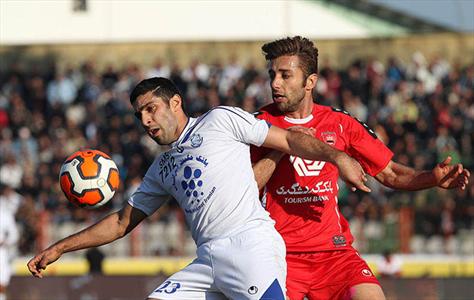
(301, 195)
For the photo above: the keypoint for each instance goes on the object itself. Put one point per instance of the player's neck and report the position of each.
(182, 122)
(304, 110)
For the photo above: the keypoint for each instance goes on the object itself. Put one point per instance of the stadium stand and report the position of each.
(424, 110)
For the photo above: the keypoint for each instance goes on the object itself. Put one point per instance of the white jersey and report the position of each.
(209, 172)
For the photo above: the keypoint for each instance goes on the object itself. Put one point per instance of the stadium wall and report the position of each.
(413, 266)
(137, 287)
(91, 21)
(454, 47)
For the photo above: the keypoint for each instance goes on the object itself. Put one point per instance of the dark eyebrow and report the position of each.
(139, 109)
(280, 70)
(138, 112)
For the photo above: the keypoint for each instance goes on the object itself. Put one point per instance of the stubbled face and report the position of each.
(157, 118)
(287, 82)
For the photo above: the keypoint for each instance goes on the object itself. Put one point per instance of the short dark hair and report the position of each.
(159, 86)
(299, 46)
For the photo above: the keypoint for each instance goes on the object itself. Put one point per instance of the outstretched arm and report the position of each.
(110, 228)
(304, 146)
(444, 175)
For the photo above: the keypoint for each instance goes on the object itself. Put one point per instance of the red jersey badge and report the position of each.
(329, 137)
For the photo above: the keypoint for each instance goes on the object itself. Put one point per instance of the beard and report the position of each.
(294, 99)
(289, 106)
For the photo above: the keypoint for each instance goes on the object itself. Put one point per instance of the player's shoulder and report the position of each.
(322, 109)
(223, 110)
(340, 114)
(346, 118)
(329, 114)
(226, 113)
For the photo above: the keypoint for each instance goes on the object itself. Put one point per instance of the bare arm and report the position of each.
(264, 168)
(444, 175)
(299, 144)
(307, 147)
(110, 228)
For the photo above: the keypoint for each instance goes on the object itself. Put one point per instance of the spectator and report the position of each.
(11, 171)
(426, 107)
(95, 257)
(61, 91)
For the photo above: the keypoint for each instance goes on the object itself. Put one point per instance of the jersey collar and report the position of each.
(299, 121)
(189, 125)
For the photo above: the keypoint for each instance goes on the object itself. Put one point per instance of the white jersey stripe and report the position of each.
(336, 208)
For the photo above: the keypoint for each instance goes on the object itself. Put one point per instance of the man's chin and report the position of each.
(157, 140)
(161, 142)
(284, 107)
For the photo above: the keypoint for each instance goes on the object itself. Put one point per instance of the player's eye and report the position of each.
(151, 108)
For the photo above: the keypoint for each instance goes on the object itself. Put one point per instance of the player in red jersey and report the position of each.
(301, 195)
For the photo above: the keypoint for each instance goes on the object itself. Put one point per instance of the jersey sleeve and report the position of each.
(242, 125)
(257, 153)
(364, 146)
(149, 196)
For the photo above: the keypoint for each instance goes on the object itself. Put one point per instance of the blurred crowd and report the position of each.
(422, 109)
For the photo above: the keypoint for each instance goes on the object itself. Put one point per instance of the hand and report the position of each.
(40, 261)
(352, 173)
(301, 129)
(450, 176)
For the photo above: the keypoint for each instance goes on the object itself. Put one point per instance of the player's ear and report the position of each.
(175, 103)
(311, 81)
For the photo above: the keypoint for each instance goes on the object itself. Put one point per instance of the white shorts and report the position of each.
(5, 268)
(247, 265)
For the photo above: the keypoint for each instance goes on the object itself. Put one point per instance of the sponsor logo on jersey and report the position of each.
(306, 167)
(305, 194)
(329, 137)
(196, 140)
(168, 166)
(339, 240)
(191, 182)
(308, 199)
(296, 189)
(366, 272)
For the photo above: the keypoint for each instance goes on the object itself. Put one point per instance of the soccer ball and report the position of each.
(89, 178)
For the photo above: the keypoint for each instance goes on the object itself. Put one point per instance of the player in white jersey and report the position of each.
(208, 171)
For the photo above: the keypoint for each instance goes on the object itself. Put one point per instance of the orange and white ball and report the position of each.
(89, 178)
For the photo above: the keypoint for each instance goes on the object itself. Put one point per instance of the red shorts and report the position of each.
(326, 274)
